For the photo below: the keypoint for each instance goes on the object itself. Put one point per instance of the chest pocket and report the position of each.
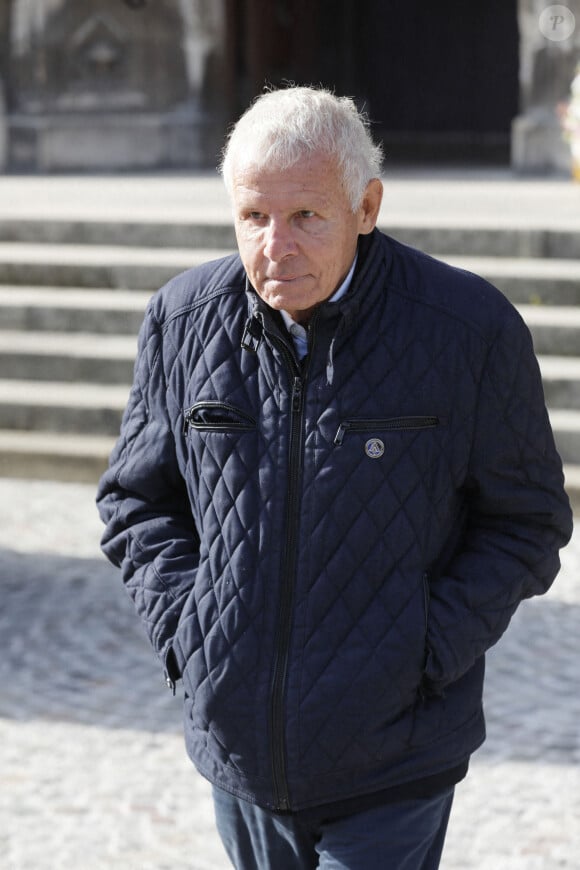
(224, 453)
(408, 452)
(214, 416)
(388, 424)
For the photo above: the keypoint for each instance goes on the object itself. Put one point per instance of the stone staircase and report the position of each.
(72, 295)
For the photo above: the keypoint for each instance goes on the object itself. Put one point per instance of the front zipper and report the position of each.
(385, 425)
(286, 605)
(277, 720)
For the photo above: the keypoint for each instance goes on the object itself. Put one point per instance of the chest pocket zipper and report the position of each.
(389, 424)
(215, 416)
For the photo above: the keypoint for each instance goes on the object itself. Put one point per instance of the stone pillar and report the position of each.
(115, 84)
(3, 130)
(3, 73)
(549, 53)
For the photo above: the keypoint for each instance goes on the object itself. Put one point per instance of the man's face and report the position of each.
(296, 231)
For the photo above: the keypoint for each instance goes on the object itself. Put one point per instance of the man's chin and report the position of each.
(287, 296)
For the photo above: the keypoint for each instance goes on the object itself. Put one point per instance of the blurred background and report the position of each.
(132, 84)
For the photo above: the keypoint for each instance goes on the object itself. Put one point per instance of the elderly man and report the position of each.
(335, 483)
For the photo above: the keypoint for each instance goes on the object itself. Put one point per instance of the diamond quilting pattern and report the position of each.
(391, 586)
(362, 582)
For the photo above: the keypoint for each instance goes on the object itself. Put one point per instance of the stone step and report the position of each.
(566, 426)
(146, 233)
(561, 380)
(572, 483)
(56, 309)
(487, 241)
(555, 328)
(54, 455)
(54, 356)
(453, 238)
(524, 280)
(63, 407)
(112, 266)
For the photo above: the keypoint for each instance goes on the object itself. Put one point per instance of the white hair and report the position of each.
(284, 126)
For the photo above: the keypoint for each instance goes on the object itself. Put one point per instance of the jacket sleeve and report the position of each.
(517, 514)
(142, 499)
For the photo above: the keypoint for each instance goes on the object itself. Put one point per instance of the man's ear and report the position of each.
(369, 208)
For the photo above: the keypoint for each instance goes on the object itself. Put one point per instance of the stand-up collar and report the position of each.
(372, 255)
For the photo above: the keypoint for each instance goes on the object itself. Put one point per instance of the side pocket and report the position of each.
(427, 598)
(426, 606)
(172, 668)
(425, 691)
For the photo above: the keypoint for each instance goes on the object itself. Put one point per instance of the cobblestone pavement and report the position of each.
(92, 764)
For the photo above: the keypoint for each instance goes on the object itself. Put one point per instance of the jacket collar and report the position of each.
(362, 294)
(373, 256)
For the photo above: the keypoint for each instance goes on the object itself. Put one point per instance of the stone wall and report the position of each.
(114, 84)
(549, 54)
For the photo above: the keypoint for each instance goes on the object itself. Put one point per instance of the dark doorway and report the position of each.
(272, 42)
(440, 81)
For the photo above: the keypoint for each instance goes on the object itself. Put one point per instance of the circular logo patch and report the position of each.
(374, 448)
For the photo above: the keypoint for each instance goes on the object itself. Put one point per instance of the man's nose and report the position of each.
(279, 241)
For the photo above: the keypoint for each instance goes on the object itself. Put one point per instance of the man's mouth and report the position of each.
(283, 279)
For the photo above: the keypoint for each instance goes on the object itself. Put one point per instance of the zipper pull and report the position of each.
(252, 336)
(187, 415)
(170, 684)
(339, 437)
(297, 396)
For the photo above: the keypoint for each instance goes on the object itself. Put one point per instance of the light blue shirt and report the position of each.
(298, 332)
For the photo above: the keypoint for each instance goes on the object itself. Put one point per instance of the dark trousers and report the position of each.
(408, 835)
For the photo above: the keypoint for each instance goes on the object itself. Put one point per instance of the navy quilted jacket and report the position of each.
(324, 552)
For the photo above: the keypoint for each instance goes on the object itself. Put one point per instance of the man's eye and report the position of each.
(306, 213)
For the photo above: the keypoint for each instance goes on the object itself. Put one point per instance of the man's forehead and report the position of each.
(272, 186)
(317, 179)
